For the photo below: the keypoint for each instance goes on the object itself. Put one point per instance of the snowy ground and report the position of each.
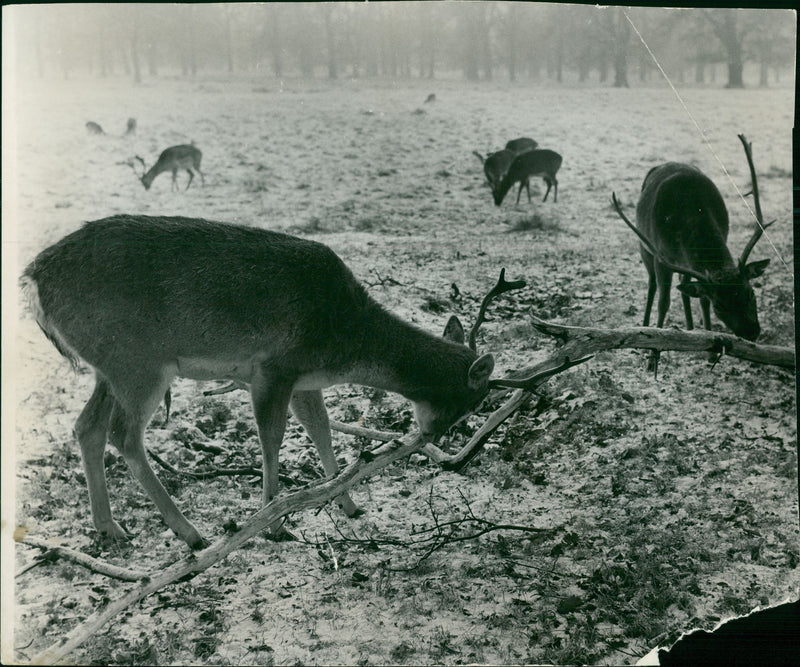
(670, 503)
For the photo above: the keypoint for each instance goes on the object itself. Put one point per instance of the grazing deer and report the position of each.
(94, 128)
(145, 299)
(495, 165)
(538, 162)
(682, 223)
(184, 156)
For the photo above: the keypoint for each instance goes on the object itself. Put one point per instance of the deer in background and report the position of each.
(521, 145)
(538, 162)
(130, 128)
(496, 165)
(145, 299)
(94, 128)
(184, 156)
(682, 225)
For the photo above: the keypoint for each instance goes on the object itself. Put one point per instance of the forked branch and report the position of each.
(501, 287)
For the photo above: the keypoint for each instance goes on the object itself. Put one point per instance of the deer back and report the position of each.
(537, 162)
(683, 214)
(521, 145)
(135, 294)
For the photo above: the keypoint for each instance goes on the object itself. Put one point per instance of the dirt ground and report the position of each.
(665, 504)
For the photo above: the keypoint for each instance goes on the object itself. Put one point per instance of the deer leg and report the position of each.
(202, 177)
(705, 306)
(687, 306)
(270, 395)
(663, 278)
(555, 190)
(547, 192)
(528, 189)
(652, 286)
(167, 406)
(191, 177)
(92, 432)
(174, 180)
(309, 409)
(128, 421)
(519, 192)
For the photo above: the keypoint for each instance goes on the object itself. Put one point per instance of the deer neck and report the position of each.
(399, 357)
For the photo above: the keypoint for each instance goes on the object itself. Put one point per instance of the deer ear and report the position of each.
(691, 289)
(453, 331)
(480, 371)
(755, 269)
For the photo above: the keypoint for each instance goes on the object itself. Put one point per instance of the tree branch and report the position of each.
(93, 564)
(312, 496)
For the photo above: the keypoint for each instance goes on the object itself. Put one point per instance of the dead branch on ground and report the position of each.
(88, 562)
(309, 497)
(431, 538)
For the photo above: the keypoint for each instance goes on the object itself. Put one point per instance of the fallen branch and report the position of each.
(312, 496)
(580, 341)
(208, 474)
(88, 562)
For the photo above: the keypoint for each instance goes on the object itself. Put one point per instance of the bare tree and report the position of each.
(725, 27)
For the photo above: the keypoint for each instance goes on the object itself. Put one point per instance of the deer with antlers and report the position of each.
(185, 156)
(209, 300)
(682, 224)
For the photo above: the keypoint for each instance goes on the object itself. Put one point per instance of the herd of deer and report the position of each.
(146, 299)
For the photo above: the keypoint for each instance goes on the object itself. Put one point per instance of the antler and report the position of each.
(532, 381)
(497, 290)
(130, 163)
(677, 268)
(760, 226)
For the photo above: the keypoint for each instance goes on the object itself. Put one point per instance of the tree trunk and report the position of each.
(330, 41)
(136, 19)
(228, 39)
(621, 40)
(723, 23)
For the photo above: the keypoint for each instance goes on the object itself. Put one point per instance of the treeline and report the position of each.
(479, 40)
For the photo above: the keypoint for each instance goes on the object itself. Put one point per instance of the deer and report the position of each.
(495, 165)
(130, 127)
(537, 162)
(682, 225)
(521, 145)
(94, 128)
(144, 299)
(184, 156)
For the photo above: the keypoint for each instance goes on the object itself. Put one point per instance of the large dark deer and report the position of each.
(145, 299)
(184, 156)
(538, 162)
(682, 223)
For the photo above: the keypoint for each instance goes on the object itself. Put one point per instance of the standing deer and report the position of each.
(145, 299)
(538, 162)
(184, 156)
(682, 223)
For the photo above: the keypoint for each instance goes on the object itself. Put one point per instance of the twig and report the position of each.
(360, 431)
(93, 564)
(219, 472)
